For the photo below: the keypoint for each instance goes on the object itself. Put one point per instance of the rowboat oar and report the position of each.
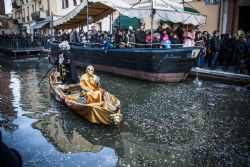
(46, 74)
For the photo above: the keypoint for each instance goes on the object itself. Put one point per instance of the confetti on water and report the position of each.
(184, 119)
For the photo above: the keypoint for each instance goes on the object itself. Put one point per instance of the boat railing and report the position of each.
(132, 45)
(156, 45)
(20, 44)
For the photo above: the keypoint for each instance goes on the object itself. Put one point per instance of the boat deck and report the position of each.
(219, 75)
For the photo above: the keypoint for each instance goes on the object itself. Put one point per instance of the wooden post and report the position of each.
(52, 25)
(110, 23)
(152, 16)
(87, 16)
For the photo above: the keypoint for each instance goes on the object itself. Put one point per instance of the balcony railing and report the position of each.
(47, 13)
(43, 14)
(35, 16)
(19, 20)
(15, 21)
(20, 43)
(39, 15)
(16, 4)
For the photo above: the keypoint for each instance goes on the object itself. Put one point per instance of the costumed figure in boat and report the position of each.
(66, 67)
(88, 99)
(90, 83)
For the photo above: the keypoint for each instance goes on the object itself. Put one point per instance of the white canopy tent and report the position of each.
(172, 12)
(172, 16)
(98, 9)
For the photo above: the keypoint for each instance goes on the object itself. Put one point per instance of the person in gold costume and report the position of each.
(100, 106)
(90, 83)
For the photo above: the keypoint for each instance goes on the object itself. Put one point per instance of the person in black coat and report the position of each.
(241, 54)
(9, 157)
(248, 53)
(65, 36)
(175, 41)
(215, 47)
(66, 65)
(179, 31)
(226, 49)
(140, 37)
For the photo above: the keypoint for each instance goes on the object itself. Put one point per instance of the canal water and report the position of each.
(176, 124)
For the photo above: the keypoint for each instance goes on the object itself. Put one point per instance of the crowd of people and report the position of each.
(127, 38)
(223, 51)
(220, 51)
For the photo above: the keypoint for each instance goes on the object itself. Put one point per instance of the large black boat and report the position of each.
(159, 65)
(154, 64)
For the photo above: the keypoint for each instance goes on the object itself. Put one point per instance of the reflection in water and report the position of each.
(66, 141)
(178, 124)
(7, 114)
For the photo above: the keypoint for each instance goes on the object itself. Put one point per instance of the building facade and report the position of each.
(34, 16)
(26, 13)
(237, 12)
(211, 10)
(227, 16)
(2, 7)
(4, 19)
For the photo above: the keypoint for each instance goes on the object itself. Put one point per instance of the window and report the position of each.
(66, 3)
(75, 3)
(211, 2)
(28, 11)
(23, 15)
(63, 4)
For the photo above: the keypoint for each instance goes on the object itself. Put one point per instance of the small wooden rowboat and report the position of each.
(106, 112)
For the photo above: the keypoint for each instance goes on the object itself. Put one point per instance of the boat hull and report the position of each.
(159, 65)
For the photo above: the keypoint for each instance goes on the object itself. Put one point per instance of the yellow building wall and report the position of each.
(211, 11)
(54, 7)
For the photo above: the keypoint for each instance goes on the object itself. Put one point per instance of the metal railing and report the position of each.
(134, 45)
(19, 44)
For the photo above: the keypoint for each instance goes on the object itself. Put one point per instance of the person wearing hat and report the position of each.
(66, 66)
